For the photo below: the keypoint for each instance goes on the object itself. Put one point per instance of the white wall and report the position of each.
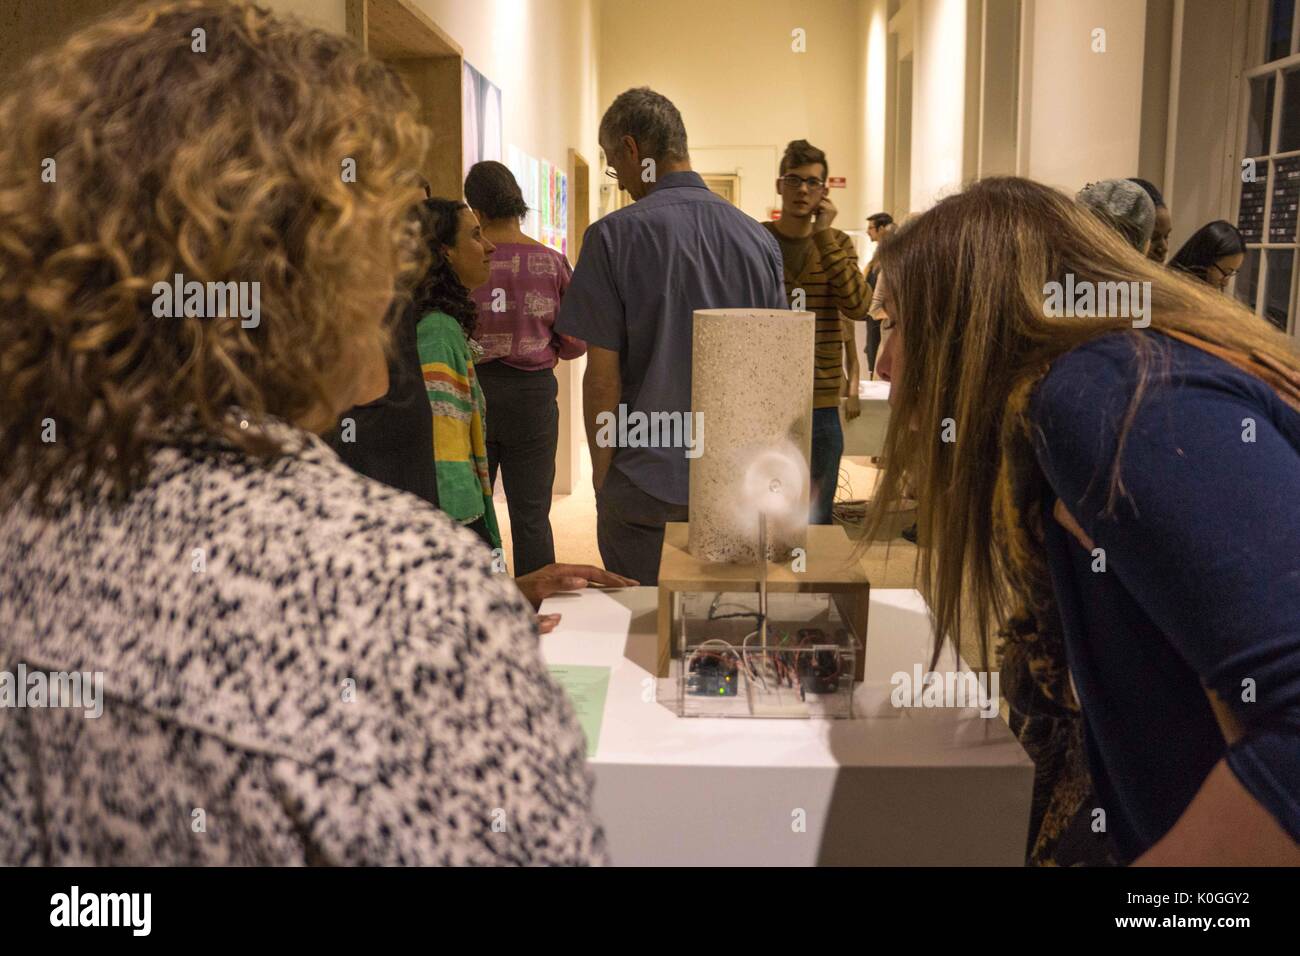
(542, 53)
(1081, 111)
(873, 36)
(1202, 172)
(755, 165)
(743, 93)
(938, 100)
(938, 50)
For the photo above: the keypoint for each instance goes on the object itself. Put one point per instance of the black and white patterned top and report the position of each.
(301, 665)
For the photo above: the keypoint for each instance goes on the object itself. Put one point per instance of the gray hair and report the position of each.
(1123, 205)
(649, 118)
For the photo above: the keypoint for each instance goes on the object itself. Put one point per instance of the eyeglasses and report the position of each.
(1223, 272)
(791, 181)
(611, 172)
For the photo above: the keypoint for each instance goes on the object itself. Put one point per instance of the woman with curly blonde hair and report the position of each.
(1107, 458)
(314, 659)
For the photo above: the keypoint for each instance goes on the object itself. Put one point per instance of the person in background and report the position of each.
(644, 271)
(388, 439)
(880, 226)
(821, 267)
(1125, 207)
(517, 307)
(1083, 436)
(1213, 254)
(444, 330)
(1164, 224)
(325, 665)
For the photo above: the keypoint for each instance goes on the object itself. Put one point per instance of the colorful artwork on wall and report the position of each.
(546, 191)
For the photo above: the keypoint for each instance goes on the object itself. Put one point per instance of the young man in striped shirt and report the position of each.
(821, 276)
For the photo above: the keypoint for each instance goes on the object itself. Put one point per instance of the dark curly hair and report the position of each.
(492, 190)
(440, 289)
(800, 152)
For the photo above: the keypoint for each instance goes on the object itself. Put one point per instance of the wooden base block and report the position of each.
(830, 566)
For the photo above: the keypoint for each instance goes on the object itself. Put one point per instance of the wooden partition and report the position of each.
(400, 34)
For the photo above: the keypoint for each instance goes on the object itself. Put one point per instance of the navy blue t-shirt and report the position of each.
(1201, 585)
(644, 271)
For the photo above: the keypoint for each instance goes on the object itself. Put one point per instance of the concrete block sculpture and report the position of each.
(751, 386)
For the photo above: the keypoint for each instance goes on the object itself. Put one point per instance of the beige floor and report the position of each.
(890, 564)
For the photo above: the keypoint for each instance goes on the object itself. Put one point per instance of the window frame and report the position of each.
(1261, 30)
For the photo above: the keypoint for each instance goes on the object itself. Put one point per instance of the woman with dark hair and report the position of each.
(1116, 499)
(444, 340)
(1213, 254)
(327, 666)
(517, 307)
(1164, 223)
(389, 438)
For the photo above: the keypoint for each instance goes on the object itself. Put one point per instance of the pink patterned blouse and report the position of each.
(517, 307)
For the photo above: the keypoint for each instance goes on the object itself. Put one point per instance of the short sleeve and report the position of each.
(566, 346)
(776, 286)
(1207, 536)
(565, 277)
(592, 310)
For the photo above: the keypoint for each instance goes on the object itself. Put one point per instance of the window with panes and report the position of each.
(1269, 200)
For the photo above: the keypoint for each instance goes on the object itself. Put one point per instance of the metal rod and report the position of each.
(762, 582)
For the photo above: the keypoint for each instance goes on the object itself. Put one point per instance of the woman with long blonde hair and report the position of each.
(1107, 460)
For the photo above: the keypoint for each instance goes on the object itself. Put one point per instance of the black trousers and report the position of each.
(630, 527)
(523, 428)
(873, 343)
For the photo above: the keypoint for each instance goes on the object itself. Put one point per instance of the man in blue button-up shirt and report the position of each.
(644, 271)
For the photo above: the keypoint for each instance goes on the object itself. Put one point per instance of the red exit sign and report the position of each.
(837, 182)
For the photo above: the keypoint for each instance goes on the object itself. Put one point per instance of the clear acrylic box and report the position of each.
(721, 667)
